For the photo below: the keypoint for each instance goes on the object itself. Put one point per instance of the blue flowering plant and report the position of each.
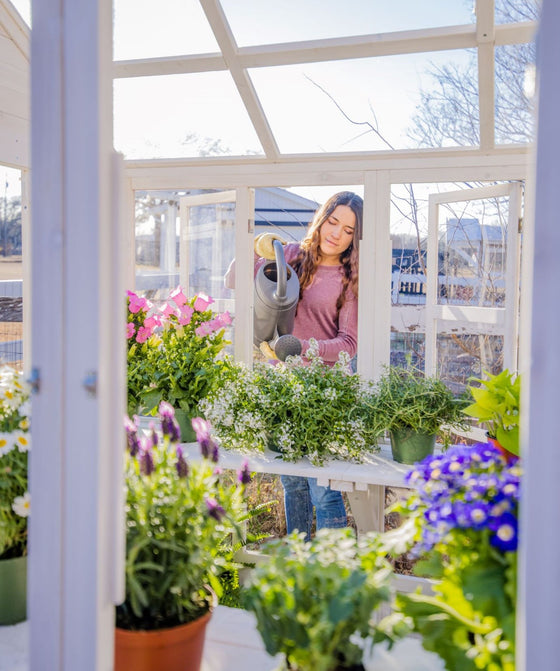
(179, 515)
(462, 523)
(15, 442)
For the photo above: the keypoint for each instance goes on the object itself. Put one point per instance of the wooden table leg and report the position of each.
(368, 508)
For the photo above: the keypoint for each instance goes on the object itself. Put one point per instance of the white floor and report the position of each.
(233, 644)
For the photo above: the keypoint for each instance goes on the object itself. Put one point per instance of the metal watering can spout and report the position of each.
(276, 297)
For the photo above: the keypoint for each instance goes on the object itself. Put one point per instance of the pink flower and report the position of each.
(130, 330)
(203, 330)
(224, 318)
(178, 297)
(169, 310)
(152, 322)
(136, 303)
(143, 334)
(185, 315)
(202, 302)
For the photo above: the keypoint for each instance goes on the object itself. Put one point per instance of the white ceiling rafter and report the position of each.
(315, 51)
(16, 27)
(486, 33)
(224, 36)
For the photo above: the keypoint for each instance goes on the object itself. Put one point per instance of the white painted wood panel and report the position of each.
(539, 578)
(77, 301)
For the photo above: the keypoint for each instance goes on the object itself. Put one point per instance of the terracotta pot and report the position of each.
(13, 590)
(509, 456)
(175, 649)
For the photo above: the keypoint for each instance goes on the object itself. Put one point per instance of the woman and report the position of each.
(326, 262)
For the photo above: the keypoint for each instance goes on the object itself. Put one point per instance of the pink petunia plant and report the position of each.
(176, 352)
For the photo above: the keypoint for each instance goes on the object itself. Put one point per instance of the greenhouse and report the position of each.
(146, 145)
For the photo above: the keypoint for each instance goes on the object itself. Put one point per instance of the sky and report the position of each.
(179, 116)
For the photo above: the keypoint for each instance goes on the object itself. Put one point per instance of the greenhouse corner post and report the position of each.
(539, 579)
(74, 192)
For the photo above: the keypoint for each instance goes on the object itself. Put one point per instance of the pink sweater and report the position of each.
(316, 313)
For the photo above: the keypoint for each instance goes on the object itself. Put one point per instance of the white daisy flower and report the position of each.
(22, 505)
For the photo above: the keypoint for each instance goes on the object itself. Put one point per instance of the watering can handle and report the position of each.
(281, 270)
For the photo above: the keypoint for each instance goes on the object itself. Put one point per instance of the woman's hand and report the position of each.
(264, 245)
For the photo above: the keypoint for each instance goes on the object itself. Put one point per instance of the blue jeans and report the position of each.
(301, 495)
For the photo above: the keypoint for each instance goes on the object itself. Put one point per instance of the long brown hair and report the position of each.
(306, 262)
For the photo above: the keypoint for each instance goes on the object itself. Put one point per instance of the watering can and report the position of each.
(275, 300)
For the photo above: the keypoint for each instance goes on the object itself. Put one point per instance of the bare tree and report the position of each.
(448, 110)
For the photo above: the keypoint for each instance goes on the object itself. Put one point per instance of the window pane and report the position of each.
(11, 270)
(209, 249)
(460, 357)
(515, 12)
(180, 116)
(515, 88)
(472, 253)
(148, 29)
(359, 105)
(256, 22)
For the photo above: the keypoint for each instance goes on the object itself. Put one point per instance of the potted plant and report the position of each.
(463, 522)
(177, 516)
(313, 600)
(497, 403)
(14, 495)
(175, 354)
(413, 408)
(316, 411)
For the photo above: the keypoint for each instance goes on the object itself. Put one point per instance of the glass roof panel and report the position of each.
(257, 22)
(181, 116)
(145, 29)
(507, 11)
(359, 105)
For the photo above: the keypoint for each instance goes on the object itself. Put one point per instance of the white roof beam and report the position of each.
(430, 166)
(226, 41)
(485, 35)
(169, 65)
(16, 27)
(314, 51)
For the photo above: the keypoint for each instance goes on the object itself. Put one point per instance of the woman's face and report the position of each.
(336, 235)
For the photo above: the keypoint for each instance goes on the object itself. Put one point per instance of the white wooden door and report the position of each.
(472, 294)
(216, 228)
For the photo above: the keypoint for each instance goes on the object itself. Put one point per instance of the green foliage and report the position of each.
(179, 526)
(14, 446)
(405, 399)
(313, 410)
(497, 403)
(231, 589)
(313, 600)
